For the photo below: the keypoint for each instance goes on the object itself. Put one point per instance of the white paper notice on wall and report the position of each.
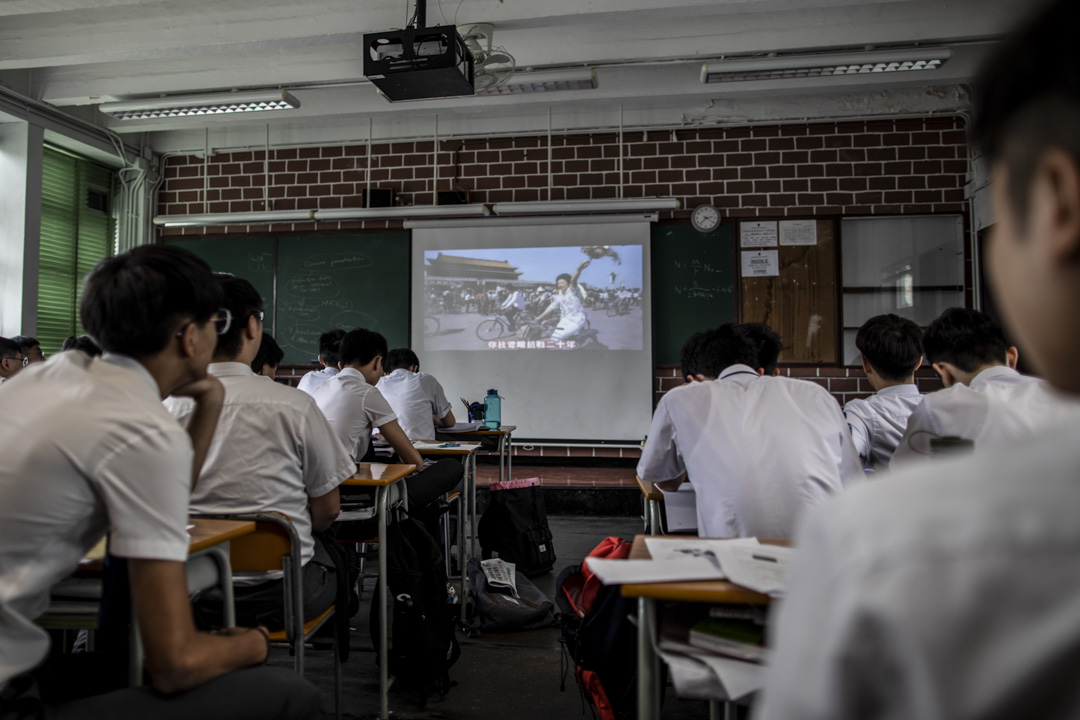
(757, 233)
(761, 263)
(798, 232)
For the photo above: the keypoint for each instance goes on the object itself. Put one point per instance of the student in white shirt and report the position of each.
(985, 400)
(567, 301)
(273, 452)
(266, 361)
(891, 348)
(760, 449)
(329, 343)
(354, 408)
(950, 590)
(111, 459)
(417, 399)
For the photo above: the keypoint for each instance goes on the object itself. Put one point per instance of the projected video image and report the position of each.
(544, 298)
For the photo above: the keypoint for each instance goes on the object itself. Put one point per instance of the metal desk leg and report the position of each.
(463, 516)
(509, 457)
(648, 661)
(472, 509)
(380, 597)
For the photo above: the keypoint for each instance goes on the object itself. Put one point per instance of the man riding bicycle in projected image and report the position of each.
(530, 300)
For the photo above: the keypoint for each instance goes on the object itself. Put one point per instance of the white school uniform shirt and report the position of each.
(86, 447)
(353, 409)
(272, 450)
(414, 398)
(759, 450)
(878, 422)
(315, 378)
(571, 313)
(1000, 404)
(950, 590)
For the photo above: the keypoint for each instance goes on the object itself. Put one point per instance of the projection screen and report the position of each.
(583, 372)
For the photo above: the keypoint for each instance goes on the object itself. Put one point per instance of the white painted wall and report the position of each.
(20, 226)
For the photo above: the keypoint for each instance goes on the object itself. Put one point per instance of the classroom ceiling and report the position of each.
(75, 54)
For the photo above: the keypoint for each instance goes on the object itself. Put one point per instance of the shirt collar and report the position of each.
(991, 373)
(229, 369)
(352, 372)
(330, 370)
(130, 363)
(905, 389)
(737, 368)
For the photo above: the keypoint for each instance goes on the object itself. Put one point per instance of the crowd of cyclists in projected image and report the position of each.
(545, 298)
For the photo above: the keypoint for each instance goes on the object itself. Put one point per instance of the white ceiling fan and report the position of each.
(493, 64)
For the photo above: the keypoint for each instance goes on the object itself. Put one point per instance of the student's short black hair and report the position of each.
(725, 346)
(135, 302)
(330, 346)
(9, 348)
(25, 342)
(84, 343)
(691, 360)
(242, 300)
(892, 345)
(965, 338)
(768, 344)
(270, 353)
(361, 346)
(1027, 99)
(567, 276)
(400, 358)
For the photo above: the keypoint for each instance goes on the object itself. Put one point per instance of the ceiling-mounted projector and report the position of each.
(419, 63)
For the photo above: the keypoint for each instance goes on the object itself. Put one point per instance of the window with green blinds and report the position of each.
(77, 231)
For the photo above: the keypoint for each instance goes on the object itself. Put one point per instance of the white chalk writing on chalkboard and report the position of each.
(698, 292)
(313, 284)
(695, 266)
(309, 309)
(336, 261)
(261, 262)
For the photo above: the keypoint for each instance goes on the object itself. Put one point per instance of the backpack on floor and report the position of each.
(499, 610)
(598, 636)
(514, 525)
(424, 644)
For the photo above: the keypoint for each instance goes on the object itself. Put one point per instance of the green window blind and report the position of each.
(77, 231)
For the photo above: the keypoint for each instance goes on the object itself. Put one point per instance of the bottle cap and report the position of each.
(493, 391)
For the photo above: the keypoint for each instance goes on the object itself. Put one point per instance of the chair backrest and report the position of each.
(267, 547)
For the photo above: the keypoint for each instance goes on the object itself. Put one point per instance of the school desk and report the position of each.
(466, 503)
(715, 592)
(503, 434)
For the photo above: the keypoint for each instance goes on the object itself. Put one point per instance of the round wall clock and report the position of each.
(705, 218)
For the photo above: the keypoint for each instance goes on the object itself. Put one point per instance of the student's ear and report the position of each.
(252, 330)
(1012, 356)
(947, 373)
(689, 378)
(866, 366)
(1061, 178)
(340, 366)
(776, 372)
(188, 339)
(377, 367)
(761, 371)
(918, 365)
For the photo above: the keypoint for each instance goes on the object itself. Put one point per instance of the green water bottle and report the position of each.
(492, 410)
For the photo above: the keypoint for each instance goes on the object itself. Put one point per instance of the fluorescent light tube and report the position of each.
(825, 65)
(211, 104)
(239, 218)
(402, 212)
(522, 221)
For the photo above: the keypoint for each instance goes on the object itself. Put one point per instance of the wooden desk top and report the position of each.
(208, 533)
(649, 490)
(378, 474)
(704, 591)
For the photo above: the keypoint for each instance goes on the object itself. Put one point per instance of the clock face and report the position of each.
(705, 218)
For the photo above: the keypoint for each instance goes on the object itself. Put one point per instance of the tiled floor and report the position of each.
(566, 477)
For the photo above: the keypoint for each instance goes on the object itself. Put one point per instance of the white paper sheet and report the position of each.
(621, 572)
(701, 675)
(760, 263)
(677, 549)
(439, 445)
(798, 232)
(762, 568)
(758, 233)
(462, 428)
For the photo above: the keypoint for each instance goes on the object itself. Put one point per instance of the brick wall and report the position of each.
(882, 167)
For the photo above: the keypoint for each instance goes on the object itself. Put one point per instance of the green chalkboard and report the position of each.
(342, 281)
(249, 258)
(693, 285)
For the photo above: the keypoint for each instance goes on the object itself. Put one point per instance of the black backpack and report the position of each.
(515, 526)
(424, 645)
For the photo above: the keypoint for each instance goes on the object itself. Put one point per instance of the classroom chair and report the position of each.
(275, 545)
